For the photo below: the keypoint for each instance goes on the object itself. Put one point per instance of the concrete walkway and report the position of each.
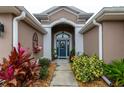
(63, 76)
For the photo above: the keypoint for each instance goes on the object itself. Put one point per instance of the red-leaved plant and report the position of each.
(19, 69)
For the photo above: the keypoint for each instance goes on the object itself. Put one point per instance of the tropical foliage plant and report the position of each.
(115, 72)
(87, 68)
(19, 69)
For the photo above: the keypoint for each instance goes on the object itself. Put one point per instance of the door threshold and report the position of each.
(63, 57)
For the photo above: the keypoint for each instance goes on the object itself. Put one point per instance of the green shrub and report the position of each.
(87, 68)
(43, 72)
(44, 62)
(115, 72)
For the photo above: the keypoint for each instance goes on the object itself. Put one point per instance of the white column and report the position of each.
(47, 43)
(78, 41)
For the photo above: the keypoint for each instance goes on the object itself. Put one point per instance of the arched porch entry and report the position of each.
(63, 39)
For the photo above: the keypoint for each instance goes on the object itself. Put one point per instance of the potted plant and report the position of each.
(72, 54)
(54, 54)
(37, 49)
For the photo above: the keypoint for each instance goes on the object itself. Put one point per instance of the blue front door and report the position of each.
(62, 49)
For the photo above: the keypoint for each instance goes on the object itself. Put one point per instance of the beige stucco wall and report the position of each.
(6, 40)
(25, 37)
(113, 40)
(91, 42)
(62, 14)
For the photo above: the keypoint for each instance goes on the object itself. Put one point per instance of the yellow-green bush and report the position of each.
(87, 68)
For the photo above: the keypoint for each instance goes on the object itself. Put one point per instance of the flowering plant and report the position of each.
(37, 49)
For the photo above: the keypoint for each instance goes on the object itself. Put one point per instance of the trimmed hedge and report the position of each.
(44, 62)
(43, 72)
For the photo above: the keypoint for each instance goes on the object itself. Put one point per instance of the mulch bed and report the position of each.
(96, 83)
(45, 82)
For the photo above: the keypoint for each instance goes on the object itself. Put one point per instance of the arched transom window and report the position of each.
(62, 35)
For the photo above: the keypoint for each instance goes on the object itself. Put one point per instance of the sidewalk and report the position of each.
(63, 75)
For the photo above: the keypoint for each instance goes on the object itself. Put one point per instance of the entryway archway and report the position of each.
(63, 39)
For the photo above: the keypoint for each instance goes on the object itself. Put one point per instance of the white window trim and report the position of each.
(63, 20)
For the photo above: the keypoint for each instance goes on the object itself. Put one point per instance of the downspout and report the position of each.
(101, 48)
(100, 39)
(15, 28)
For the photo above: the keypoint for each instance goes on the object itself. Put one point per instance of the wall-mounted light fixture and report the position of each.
(1, 29)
